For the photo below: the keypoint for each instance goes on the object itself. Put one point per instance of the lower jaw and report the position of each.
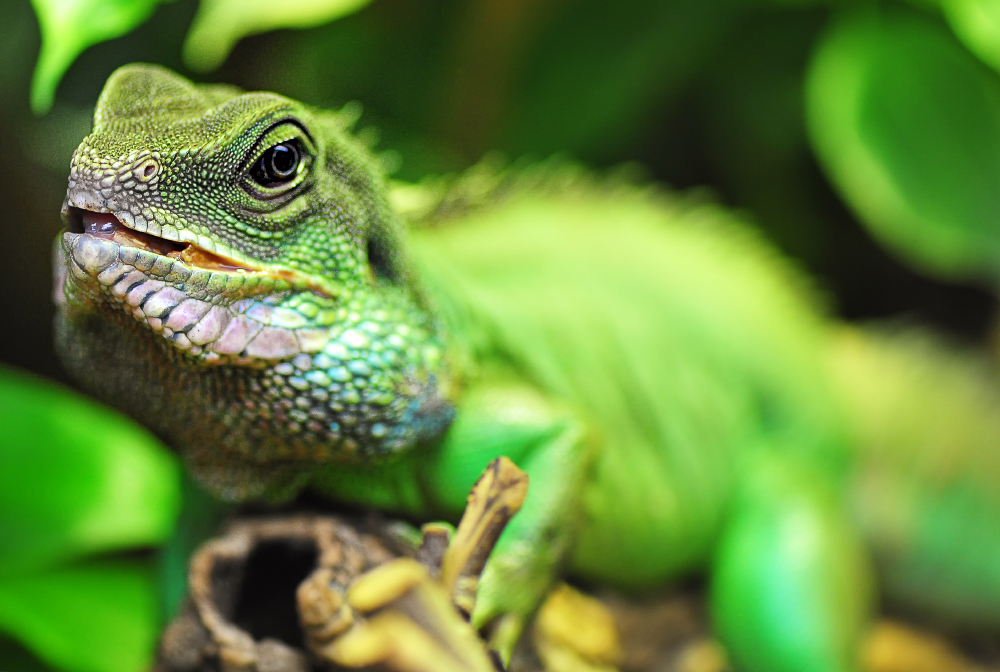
(244, 431)
(219, 317)
(347, 385)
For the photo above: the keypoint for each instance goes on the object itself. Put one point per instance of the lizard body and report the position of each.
(234, 276)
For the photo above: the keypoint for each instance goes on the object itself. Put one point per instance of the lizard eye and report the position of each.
(278, 164)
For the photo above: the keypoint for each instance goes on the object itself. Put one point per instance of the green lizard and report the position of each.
(234, 276)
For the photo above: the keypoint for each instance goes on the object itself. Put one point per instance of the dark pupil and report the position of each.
(284, 158)
(278, 164)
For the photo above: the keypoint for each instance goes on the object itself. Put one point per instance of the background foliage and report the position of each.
(862, 137)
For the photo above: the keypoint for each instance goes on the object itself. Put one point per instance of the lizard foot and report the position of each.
(286, 594)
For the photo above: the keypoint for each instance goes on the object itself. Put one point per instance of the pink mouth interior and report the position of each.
(107, 226)
(101, 224)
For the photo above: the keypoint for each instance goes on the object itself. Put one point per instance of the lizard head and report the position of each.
(231, 258)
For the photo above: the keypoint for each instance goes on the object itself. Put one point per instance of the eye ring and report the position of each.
(278, 164)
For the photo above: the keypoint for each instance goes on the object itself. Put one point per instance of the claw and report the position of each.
(360, 607)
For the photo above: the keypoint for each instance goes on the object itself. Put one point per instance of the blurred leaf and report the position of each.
(98, 617)
(977, 24)
(597, 69)
(789, 556)
(925, 422)
(70, 26)
(15, 656)
(907, 125)
(754, 125)
(220, 24)
(76, 477)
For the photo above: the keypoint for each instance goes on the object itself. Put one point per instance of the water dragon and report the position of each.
(237, 274)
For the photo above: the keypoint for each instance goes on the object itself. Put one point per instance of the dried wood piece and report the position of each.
(301, 593)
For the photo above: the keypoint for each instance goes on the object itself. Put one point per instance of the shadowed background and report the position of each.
(700, 95)
(862, 138)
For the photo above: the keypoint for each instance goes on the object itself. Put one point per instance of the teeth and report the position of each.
(187, 313)
(209, 327)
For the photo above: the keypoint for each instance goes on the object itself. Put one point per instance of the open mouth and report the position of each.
(203, 302)
(107, 226)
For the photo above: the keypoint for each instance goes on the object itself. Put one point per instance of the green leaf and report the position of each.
(977, 24)
(98, 617)
(76, 478)
(220, 24)
(70, 26)
(907, 125)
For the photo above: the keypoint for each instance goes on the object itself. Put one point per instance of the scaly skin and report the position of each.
(280, 331)
(308, 352)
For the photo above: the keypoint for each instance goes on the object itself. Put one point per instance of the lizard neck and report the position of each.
(372, 385)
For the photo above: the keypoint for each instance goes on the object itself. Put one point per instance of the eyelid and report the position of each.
(283, 131)
(268, 138)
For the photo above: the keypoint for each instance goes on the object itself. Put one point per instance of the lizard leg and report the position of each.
(791, 584)
(497, 417)
(550, 445)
